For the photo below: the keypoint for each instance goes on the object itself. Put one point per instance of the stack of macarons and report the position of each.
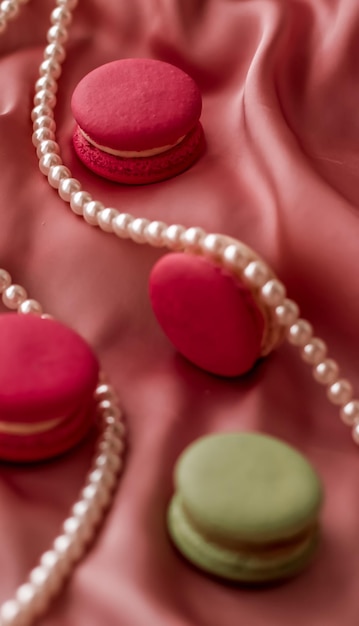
(245, 508)
(48, 377)
(137, 121)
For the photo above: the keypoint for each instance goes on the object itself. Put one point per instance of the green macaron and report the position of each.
(245, 508)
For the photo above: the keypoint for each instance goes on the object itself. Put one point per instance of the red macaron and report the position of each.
(137, 121)
(48, 376)
(211, 317)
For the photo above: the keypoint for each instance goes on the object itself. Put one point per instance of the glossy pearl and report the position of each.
(137, 228)
(44, 121)
(256, 273)
(300, 333)
(273, 292)
(91, 211)
(78, 201)
(50, 67)
(61, 15)
(9, 8)
(67, 187)
(57, 173)
(314, 351)
(41, 111)
(55, 52)
(42, 134)
(213, 245)
(48, 161)
(154, 234)
(121, 224)
(349, 413)
(47, 83)
(340, 392)
(45, 96)
(57, 34)
(30, 307)
(287, 313)
(326, 372)
(47, 147)
(105, 219)
(172, 236)
(235, 257)
(192, 239)
(13, 296)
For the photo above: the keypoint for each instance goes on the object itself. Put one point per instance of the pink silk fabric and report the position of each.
(280, 85)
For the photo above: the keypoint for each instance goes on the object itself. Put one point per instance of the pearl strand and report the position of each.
(55, 566)
(235, 255)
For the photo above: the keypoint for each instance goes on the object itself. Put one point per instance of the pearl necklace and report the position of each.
(32, 598)
(225, 251)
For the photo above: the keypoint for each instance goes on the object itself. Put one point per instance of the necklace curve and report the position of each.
(227, 252)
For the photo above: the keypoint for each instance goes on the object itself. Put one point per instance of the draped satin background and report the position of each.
(280, 111)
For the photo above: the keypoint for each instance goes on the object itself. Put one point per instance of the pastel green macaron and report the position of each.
(245, 507)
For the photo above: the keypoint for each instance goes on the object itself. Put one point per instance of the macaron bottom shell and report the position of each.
(233, 565)
(141, 170)
(48, 444)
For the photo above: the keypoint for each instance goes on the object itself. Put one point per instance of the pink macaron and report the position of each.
(48, 376)
(137, 121)
(210, 316)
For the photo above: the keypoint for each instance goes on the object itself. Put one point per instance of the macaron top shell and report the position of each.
(239, 488)
(136, 104)
(47, 371)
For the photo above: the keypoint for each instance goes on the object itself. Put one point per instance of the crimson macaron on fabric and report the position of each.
(48, 377)
(137, 121)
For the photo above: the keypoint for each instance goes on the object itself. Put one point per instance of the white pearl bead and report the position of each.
(9, 613)
(136, 229)
(121, 224)
(172, 236)
(13, 296)
(349, 413)
(192, 238)
(56, 174)
(83, 510)
(256, 273)
(71, 526)
(340, 392)
(42, 134)
(41, 111)
(48, 161)
(154, 233)
(55, 52)
(57, 34)
(26, 596)
(47, 147)
(66, 548)
(91, 210)
(235, 257)
(50, 67)
(5, 280)
(111, 443)
(67, 187)
(287, 313)
(9, 8)
(30, 306)
(105, 219)
(78, 201)
(300, 333)
(44, 121)
(95, 497)
(213, 245)
(104, 392)
(273, 292)
(45, 96)
(314, 351)
(61, 15)
(326, 372)
(51, 560)
(47, 83)
(38, 576)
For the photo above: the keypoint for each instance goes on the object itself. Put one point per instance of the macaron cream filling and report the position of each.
(23, 429)
(129, 154)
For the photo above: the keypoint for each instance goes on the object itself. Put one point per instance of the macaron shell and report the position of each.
(230, 564)
(46, 369)
(136, 104)
(49, 444)
(208, 315)
(141, 170)
(247, 488)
